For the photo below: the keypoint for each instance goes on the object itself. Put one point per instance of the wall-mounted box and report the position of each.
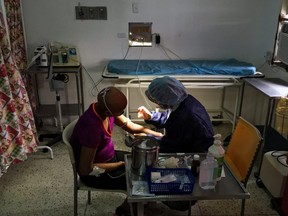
(140, 34)
(91, 13)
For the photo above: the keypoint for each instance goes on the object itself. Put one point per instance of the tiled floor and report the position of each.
(41, 186)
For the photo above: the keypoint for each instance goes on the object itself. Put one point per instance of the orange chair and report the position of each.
(242, 151)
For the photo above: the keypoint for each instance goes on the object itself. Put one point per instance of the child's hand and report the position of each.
(121, 163)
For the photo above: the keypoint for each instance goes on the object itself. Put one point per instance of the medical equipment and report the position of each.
(282, 53)
(57, 80)
(145, 152)
(41, 57)
(274, 171)
(63, 55)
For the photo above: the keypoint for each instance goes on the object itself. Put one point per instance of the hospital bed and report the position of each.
(197, 74)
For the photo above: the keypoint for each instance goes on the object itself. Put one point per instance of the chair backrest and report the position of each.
(242, 149)
(67, 132)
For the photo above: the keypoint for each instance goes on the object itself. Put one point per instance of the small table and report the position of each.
(49, 110)
(58, 110)
(227, 188)
(273, 89)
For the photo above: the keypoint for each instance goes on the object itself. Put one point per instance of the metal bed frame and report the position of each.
(193, 84)
(130, 82)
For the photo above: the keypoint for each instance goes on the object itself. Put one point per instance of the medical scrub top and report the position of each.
(188, 128)
(90, 132)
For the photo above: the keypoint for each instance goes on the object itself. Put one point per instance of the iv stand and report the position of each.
(45, 148)
(55, 85)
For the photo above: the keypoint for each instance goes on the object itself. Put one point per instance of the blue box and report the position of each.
(183, 185)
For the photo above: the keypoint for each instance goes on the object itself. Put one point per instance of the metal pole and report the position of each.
(58, 107)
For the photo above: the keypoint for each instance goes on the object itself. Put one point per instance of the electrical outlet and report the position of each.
(102, 13)
(81, 12)
(92, 13)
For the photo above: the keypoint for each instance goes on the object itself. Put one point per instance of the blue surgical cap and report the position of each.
(166, 91)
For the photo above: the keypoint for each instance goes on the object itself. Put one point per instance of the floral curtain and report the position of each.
(17, 41)
(18, 135)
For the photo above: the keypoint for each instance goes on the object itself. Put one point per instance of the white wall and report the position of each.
(194, 29)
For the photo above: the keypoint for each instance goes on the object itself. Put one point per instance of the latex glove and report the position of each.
(140, 134)
(144, 113)
(171, 162)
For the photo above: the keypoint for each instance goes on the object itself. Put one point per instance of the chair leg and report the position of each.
(242, 207)
(75, 201)
(132, 209)
(89, 197)
(189, 210)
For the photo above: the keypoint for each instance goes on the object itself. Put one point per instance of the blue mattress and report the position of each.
(230, 67)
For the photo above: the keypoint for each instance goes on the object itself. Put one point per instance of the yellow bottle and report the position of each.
(281, 118)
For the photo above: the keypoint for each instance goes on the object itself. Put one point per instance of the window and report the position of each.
(140, 34)
(280, 55)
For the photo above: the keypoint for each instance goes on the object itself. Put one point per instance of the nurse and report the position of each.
(187, 124)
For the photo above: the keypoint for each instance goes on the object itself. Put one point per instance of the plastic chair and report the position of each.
(242, 151)
(78, 184)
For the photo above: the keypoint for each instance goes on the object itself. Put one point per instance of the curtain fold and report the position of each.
(18, 134)
(17, 41)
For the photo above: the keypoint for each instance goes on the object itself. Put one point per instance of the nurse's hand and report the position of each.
(144, 113)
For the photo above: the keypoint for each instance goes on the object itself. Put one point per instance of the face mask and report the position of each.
(164, 107)
(172, 109)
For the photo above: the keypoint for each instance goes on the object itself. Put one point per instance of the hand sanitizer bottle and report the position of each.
(218, 152)
(208, 172)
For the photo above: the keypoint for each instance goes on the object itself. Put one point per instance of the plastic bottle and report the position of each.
(218, 152)
(281, 117)
(208, 172)
(195, 166)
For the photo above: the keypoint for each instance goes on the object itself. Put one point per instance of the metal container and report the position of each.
(145, 151)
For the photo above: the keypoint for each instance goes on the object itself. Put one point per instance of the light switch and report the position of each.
(135, 8)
